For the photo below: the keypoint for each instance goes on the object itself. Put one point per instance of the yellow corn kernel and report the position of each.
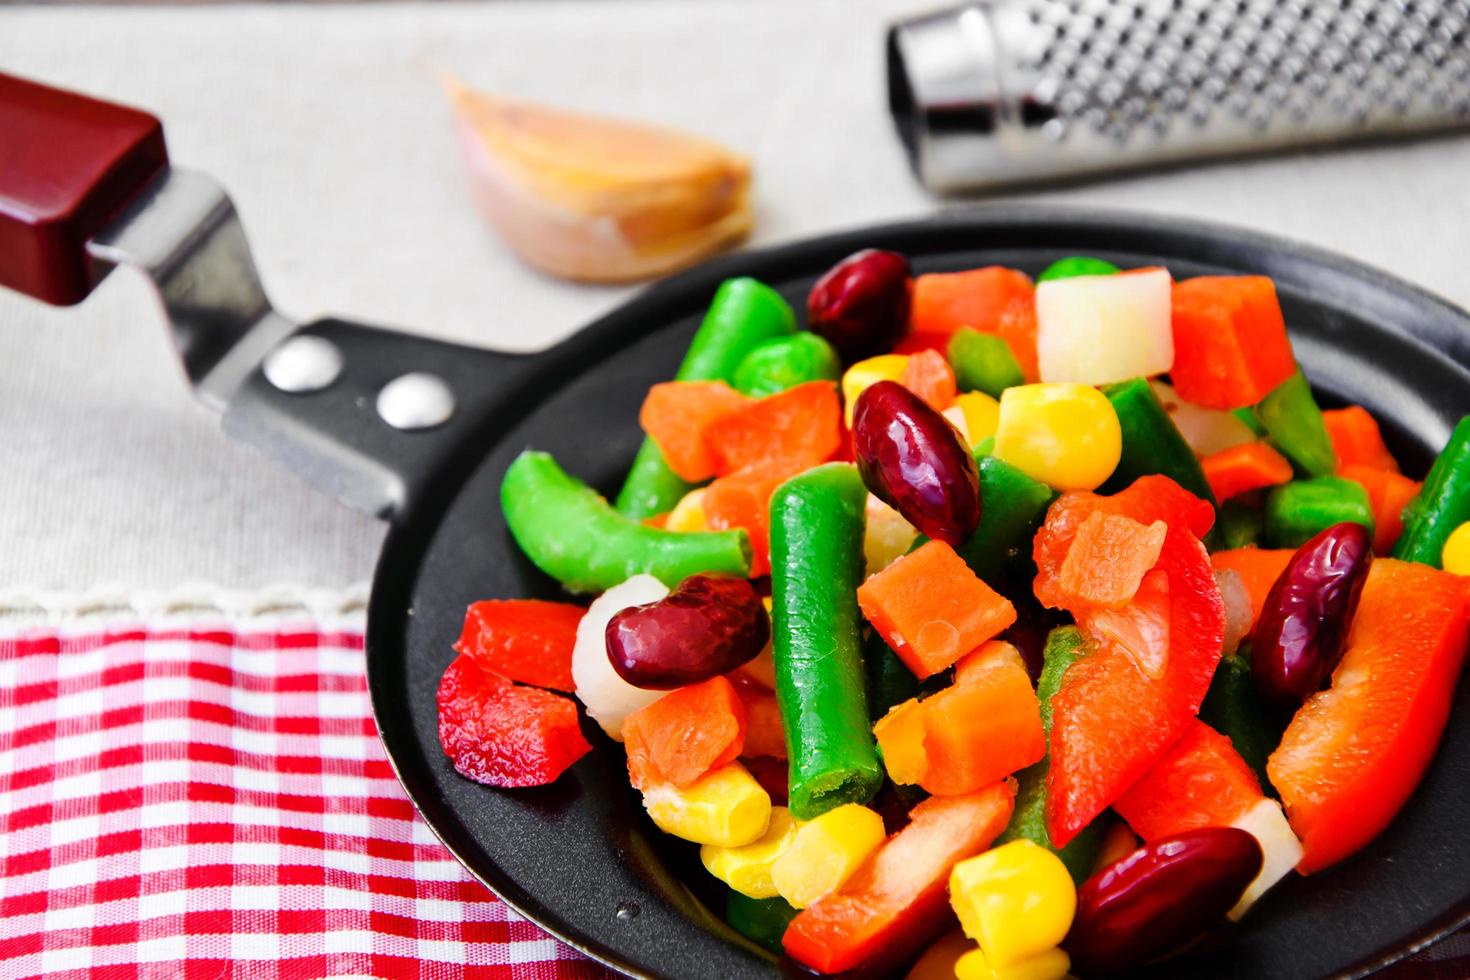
(884, 367)
(1065, 435)
(726, 808)
(825, 853)
(900, 735)
(975, 414)
(747, 869)
(1456, 555)
(688, 513)
(1016, 901)
(887, 537)
(1050, 965)
(938, 961)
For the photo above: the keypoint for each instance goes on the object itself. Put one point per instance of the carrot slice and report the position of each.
(677, 414)
(1108, 559)
(993, 300)
(743, 499)
(932, 609)
(801, 423)
(896, 903)
(525, 640)
(685, 734)
(1357, 440)
(1389, 493)
(1258, 568)
(928, 375)
(982, 728)
(1240, 469)
(1230, 343)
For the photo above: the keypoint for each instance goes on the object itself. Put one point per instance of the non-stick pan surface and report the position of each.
(581, 859)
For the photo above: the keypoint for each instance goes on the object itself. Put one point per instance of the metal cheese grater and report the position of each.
(998, 91)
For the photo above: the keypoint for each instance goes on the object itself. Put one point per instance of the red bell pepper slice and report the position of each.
(1201, 781)
(1122, 706)
(1354, 753)
(524, 640)
(1147, 499)
(897, 903)
(504, 734)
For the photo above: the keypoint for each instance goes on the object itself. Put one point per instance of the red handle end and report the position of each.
(68, 164)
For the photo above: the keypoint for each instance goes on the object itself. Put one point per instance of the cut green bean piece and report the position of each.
(816, 567)
(761, 920)
(1441, 506)
(1076, 265)
(1241, 525)
(572, 534)
(1064, 647)
(982, 362)
(1012, 507)
(1298, 510)
(776, 365)
(1232, 708)
(1152, 443)
(890, 682)
(1292, 419)
(743, 313)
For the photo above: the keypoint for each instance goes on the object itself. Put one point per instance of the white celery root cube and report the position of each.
(1279, 846)
(1099, 329)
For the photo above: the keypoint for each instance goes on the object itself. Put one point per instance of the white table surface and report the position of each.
(327, 125)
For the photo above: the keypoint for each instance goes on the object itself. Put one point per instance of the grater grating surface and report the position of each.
(1021, 89)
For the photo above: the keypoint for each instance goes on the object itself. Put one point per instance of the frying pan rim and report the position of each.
(405, 542)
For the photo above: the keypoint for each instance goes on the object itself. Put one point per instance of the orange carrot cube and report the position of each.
(677, 414)
(1230, 343)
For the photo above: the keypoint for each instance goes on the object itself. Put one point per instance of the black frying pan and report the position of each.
(579, 857)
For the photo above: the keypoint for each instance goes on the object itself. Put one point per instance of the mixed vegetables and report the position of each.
(987, 628)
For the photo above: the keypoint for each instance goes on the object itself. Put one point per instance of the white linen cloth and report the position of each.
(327, 125)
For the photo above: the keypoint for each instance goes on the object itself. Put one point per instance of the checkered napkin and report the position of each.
(213, 800)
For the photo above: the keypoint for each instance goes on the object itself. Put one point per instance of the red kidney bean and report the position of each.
(1160, 897)
(709, 625)
(861, 304)
(912, 459)
(1298, 639)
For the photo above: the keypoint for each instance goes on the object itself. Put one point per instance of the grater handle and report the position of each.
(68, 164)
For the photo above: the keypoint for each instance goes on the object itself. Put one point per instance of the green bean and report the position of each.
(889, 682)
(816, 567)
(1233, 709)
(1441, 506)
(743, 313)
(571, 533)
(1064, 647)
(761, 920)
(1241, 525)
(773, 366)
(982, 362)
(1152, 443)
(1297, 510)
(1012, 507)
(1294, 422)
(1076, 265)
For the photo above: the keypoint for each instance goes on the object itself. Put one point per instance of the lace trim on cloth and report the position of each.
(30, 607)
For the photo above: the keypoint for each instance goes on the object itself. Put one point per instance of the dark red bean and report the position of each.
(861, 304)
(1298, 639)
(709, 625)
(1159, 897)
(912, 459)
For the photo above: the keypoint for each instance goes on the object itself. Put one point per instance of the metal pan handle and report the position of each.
(365, 414)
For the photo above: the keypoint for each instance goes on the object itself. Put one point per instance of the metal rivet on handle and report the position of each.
(415, 401)
(303, 364)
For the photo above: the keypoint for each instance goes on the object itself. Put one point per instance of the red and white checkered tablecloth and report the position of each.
(215, 801)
